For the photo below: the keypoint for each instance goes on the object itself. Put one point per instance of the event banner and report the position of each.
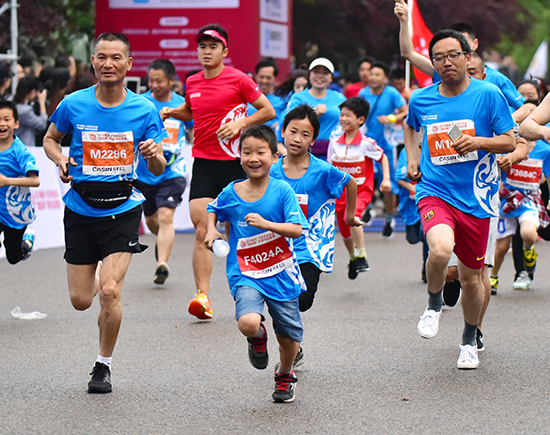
(167, 29)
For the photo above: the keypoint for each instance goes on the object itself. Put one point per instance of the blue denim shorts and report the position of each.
(285, 314)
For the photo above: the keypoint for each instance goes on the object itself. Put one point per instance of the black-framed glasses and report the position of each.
(452, 56)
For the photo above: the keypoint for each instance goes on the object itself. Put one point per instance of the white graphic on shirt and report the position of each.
(320, 240)
(486, 180)
(231, 146)
(19, 205)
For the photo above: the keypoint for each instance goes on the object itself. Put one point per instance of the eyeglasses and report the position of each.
(452, 56)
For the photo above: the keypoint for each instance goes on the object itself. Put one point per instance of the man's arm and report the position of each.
(52, 148)
(534, 127)
(152, 153)
(265, 113)
(412, 140)
(503, 143)
(405, 41)
(183, 113)
(521, 153)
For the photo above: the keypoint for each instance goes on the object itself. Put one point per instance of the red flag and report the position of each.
(421, 37)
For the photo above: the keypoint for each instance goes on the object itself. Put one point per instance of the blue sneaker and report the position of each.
(27, 237)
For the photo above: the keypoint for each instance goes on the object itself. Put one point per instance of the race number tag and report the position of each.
(303, 201)
(356, 166)
(263, 255)
(526, 175)
(107, 153)
(170, 144)
(441, 145)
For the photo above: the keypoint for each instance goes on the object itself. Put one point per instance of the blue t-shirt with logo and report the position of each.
(469, 183)
(407, 205)
(317, 191)
(278, 204)
(105, 143)
(386, 104)
(16, 209)
(330, 119)
(171, 146)
(279, 104)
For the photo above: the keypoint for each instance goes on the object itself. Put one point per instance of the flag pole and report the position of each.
(407, 63)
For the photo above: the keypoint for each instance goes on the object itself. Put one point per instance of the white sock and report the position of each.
(105, 360)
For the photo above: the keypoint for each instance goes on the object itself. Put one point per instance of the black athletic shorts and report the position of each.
(91, 239)
(166, 194)
(211, 176)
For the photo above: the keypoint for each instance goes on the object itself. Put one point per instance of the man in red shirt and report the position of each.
(216, 100)
(353, 89)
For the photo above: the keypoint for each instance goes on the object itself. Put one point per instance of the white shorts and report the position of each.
(507, 226)
(491, 242)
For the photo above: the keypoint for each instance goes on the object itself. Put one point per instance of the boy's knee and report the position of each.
(249, 325)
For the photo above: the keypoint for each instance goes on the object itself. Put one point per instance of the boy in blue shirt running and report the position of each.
(18, 172)
(263, 216)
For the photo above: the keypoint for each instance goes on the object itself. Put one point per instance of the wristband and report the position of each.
(392, 118)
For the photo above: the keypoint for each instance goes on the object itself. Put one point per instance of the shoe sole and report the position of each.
(284, 401)
(198, 310)
(99, 389)
(427, 337)
(161, 274)
(521, 288)
(468, 367)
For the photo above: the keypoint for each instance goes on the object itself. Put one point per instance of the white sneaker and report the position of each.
(523, 281)
(428, 326)
(468, 357)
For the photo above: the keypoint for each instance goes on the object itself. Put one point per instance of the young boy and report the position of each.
(263, 213)
(18, 172)
(353, 153)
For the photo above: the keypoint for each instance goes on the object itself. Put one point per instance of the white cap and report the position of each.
(322, 61)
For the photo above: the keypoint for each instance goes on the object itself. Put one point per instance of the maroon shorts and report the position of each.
(363, 200)
(471, 233)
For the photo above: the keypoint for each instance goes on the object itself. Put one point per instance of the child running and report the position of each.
(18, 172)
(263, 215)
(354, 153)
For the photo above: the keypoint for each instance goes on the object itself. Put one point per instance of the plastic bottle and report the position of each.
(220, 247)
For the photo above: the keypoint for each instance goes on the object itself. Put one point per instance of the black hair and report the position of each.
(287, 86)
(6, 104)
(464, 28)
(384, 67)
(450, 33)
(397, 73)
(218, 28)
(531, 82)
(26, 85)
(368, 59)
(267, 62)
(113, 36)
(359, 106)
(304, 111)
(165, 65)
(261, 132)
(62, 61)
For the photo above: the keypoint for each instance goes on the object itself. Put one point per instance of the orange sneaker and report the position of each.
(200, 306)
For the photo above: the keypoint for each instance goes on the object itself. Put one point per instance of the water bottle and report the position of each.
(220, 247)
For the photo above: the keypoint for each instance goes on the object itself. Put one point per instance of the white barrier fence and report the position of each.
(49, 206)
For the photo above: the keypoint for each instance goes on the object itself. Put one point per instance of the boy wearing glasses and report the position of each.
(465, 122)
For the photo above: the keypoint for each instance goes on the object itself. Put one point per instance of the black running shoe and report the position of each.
(479, 341)
(388, 227)
(451, 292)
(361, 265)
(285, 386)
(101, 379)
(352, 269)
(257, 350)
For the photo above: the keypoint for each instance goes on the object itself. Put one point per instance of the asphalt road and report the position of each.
(366, 369)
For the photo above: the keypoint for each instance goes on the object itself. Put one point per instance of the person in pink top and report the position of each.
(216, 100)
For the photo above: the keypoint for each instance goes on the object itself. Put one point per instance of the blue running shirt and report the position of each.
(407, 203)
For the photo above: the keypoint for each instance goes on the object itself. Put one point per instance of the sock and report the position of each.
(261, 332)
(469, 334)
(280, 372)
(360, 253)
(435, 300)
(352, 256)
(495, 277)
(105, 360)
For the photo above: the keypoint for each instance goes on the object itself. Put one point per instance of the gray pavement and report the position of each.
(366, 369)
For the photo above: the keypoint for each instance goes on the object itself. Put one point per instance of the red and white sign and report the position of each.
(167, 29)
(526, 175)
(356, 166)
(303, 200)
(263, 255)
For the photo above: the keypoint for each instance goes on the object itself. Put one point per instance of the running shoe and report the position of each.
(530, 259)
(388, 227)
(161, 273)
(428, 326)
(352, 269)
(101, 379)
(28, 237)
(451, 292)
(494, 284)
(468, 357)
(523, 281)
(200, 306)
(298, 361)
(257, 350)
(479, 340)
(368, 217)
(361, 265)
(285, 387)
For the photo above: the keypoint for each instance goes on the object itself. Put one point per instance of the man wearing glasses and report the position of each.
(465, 122)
